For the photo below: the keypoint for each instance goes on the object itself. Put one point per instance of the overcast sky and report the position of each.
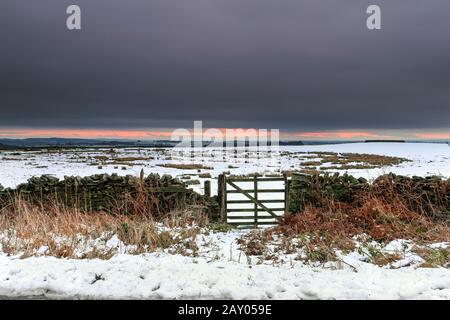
(297, 65)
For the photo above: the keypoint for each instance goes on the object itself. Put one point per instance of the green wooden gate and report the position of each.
(252, 201)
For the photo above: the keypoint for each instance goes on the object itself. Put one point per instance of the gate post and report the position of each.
(255, 186)
(286, 193)
(207, 187)
(222, 195)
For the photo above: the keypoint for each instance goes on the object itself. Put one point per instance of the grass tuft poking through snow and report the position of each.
(28, 231)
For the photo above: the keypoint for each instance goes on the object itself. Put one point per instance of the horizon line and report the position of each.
(167, 133)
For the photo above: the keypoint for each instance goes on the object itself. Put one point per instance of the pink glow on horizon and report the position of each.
(341, 135)
(115, 134)
(84, 133)
(166, 133)
(433, 135)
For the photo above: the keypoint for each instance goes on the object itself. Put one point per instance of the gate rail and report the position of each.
(264, 213)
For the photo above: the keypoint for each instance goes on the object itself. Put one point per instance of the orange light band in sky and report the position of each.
(167, 133)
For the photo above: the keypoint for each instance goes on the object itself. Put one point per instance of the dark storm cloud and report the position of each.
(292, 64)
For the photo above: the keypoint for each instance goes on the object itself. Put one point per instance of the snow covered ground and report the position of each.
(162, 276)
(17, 167)
(221, 271)
(426, 158)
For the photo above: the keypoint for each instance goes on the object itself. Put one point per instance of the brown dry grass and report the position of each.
(27, 227)
(369, 160)
(189, 166)
(433, 257)
(317, 233)
(380, 219)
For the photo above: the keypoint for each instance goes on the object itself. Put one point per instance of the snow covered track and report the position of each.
(162, 276)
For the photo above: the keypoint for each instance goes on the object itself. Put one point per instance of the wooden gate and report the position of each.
(252, 201)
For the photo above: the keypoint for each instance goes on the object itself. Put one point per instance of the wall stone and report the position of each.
(429, 195)
(103, 192)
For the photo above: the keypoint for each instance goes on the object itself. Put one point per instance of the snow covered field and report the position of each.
(175, 277)
(426, 158)
(17, 167)
(221, 270)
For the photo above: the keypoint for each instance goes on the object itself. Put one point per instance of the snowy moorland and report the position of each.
(209, 263)
(17, 166)
(221, 270)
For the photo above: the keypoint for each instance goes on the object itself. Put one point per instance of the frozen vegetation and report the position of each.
(216, 264)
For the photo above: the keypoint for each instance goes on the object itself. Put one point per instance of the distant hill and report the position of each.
(5, 147)
(60, 142)
(79, 143)
(388, 140)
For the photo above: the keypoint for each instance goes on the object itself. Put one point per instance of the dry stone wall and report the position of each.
(103, 192)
